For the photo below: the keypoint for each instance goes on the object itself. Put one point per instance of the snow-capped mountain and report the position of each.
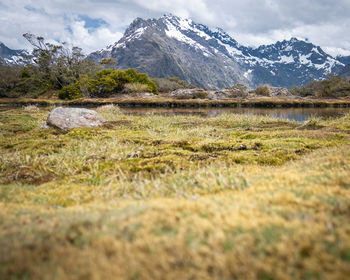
(293, 62)
(173, 46)
(11, 57)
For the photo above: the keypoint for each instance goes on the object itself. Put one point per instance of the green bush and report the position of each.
(70, 92)
(263, 90)
(102, 87)
(109, 81)
(131, 76)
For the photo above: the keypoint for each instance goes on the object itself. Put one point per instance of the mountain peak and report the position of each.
(169, 15)
(175, 46)
(136, 24)
(295, 39)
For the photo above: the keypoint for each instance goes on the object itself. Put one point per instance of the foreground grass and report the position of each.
(231, 197)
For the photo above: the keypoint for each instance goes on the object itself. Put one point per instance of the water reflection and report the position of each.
(295, 114)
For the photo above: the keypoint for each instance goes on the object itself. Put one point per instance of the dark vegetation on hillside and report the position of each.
(63, 69)
(333, 86)
(58, 68)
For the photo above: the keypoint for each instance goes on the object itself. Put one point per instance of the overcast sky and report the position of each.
(94, 24)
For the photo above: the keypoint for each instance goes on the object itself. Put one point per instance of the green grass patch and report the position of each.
(157, 197)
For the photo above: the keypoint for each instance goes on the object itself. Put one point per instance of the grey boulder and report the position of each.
(68, 118)
(189, 93)
(279, 91)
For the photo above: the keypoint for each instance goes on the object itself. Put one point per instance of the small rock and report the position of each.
(218, 95)
(68, 118)
(242, 147)
(256, 154)
(189, 93)
(279, 91)
(44, 126)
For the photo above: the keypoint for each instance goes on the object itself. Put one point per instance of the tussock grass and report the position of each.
(136, 87)
(31, 108)
(110, 109)
(155, 197)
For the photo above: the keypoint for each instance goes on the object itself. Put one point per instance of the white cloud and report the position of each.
(90, 41)
(183, 8)
(336, 51)
(251, 22)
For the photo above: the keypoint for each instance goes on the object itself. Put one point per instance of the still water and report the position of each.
(294, 114)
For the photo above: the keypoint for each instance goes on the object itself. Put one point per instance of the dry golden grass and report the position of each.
(33, 108)
(136, 87)
(109, 109)
(154, 197)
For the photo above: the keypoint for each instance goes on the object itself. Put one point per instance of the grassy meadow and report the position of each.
(174, 197)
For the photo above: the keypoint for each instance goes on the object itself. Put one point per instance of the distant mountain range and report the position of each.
(174, 46)
(10, 57)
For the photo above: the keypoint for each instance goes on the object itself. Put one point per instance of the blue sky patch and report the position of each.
(92, 23)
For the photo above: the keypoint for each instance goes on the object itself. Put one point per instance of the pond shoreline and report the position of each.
(155, 102)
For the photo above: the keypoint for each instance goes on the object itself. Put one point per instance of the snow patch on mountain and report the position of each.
(246, 74)
(286, 59)
(328, 65)
(304, 59)
(173, 31)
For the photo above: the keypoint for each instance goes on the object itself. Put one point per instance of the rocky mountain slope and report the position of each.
(10, 57)
(173, 46)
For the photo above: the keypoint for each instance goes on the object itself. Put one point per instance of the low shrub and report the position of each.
(263, 90)
(200, 94)
(103, 85)
(70, 92)
(238, 90)
(131, 76)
